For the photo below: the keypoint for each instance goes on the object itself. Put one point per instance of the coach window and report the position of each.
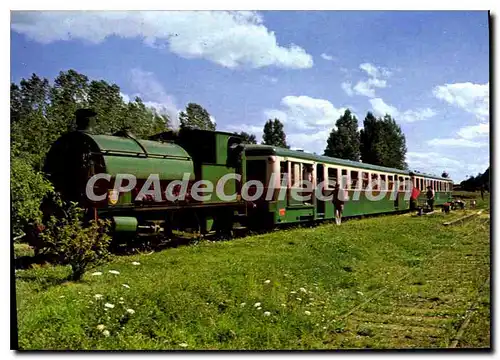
(295, 174)
(307, 172)
(332, 177)
(390, 182)
(354, 179)
(283, 172)
(375, 185)
(365, 179)
(407, 181)
(401, 184)
(422, 185)
(345, 179)
(383, 182)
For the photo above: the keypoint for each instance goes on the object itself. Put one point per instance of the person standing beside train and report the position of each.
(430, 197)
(339, 198)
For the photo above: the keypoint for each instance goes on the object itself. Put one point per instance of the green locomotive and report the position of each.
(138, 184)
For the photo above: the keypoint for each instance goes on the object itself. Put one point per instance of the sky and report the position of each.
(429, 70)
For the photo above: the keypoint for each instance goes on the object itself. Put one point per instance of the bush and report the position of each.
(28, 189)
(71, 242)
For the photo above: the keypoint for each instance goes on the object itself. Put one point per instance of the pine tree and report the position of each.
(382, 142)
(343, 142)
(196, 117)
(274, 134)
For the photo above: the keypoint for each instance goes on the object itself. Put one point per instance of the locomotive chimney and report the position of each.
(84, 119)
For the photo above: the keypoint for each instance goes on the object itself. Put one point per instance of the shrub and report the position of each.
(28, 189)
(71, 242)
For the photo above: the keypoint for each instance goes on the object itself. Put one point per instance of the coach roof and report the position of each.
(274, 150)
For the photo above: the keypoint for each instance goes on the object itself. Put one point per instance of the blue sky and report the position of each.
(430, 70)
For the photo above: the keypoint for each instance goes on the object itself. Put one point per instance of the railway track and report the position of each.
(432, 305)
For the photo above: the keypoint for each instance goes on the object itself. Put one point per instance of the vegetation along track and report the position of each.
(427, 305)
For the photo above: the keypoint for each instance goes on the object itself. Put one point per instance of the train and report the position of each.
(81, 161)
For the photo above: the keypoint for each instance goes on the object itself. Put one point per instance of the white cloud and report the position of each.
(426, 160)
(474, 131)
(380, 108)
(230, 39)
(314, 142)
(153, 94)
(436, 163)
(347, 87)
(250, 129)
(367, 87)
(270, 79)
(456, 142)
(375, 71)
(370, 69)
(327, 57)
(470, 97)
(308, 121)
(304, 112)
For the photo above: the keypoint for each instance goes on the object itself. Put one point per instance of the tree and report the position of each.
(247, 138)
(196, 117)
(343, 142)
(382, 142)
(444, 174)
(274, 134)
(27, 188)
(72, 242)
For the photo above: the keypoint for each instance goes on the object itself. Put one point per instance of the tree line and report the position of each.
(478, 182)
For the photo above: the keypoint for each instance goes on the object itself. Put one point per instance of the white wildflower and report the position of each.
(267, 281)
(121, 302)
(109, 306)
(121, 298)
(126, 286)
(257, 304)
(131, 311)
(62, 296)
(259, 308)
(136, 263)
(303, 290)
(183, 345)
(293, 292)
(101, 327)
(307, 313)
(311, 299)
(267, 313)
(106, 333)
(114, 272)
(299, 299)
(97, 273)
(283, 305)
(98, 296)
(243, 304)
(359, 292)
(324, 327)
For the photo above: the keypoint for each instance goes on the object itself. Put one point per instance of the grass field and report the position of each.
(397, 281)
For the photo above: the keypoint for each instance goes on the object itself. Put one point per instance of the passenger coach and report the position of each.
(265, 163)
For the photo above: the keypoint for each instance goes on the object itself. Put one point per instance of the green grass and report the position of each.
(422, 276)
